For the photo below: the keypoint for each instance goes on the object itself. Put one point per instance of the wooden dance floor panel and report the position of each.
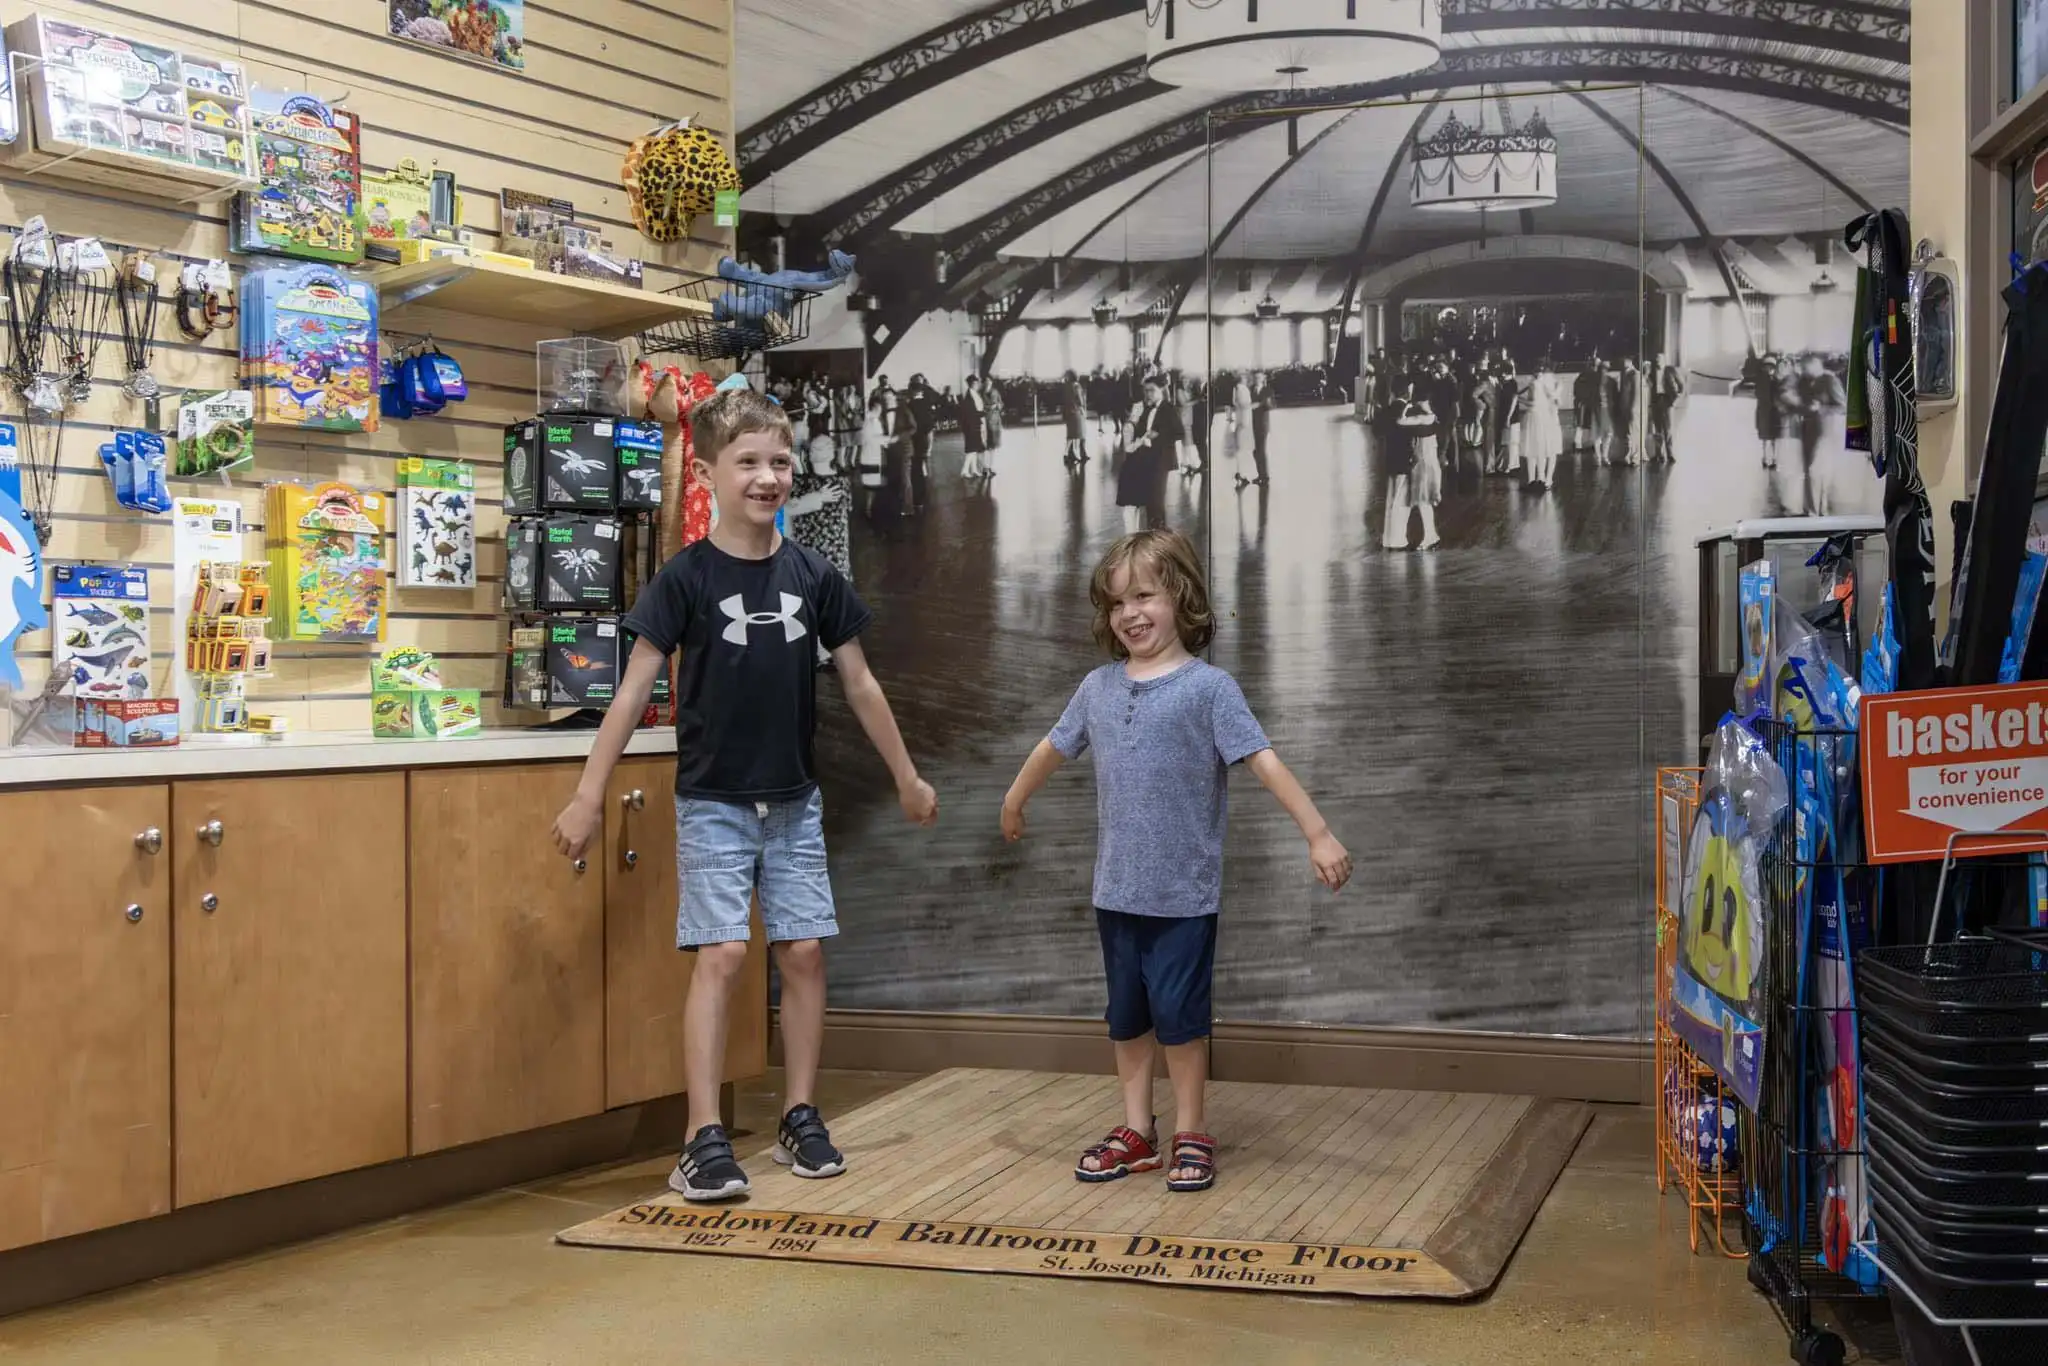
(1320, 1190)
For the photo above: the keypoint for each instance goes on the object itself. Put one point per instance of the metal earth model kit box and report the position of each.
(637, 447)
(561, 464)
(566, 662)
(561, 563)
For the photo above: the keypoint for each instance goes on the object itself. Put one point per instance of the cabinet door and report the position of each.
(507, 957)
(85, 1011)
(646, 978)
(290, 968)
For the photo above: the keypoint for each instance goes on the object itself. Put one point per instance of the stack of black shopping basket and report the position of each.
(1955, 1055)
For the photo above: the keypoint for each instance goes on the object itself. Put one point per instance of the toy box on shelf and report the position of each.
(146, 723)
(226, 642)
(326, 548)
(407, 204)
(310, 200)
(112, 110)
(409, 702)
(309, 348)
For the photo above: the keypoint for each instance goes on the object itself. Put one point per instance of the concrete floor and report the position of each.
(1603, 1276)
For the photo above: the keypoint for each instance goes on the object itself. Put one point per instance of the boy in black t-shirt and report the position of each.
(748, 609)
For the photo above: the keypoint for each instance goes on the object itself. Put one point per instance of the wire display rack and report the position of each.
(1690, 1153)
(1803, 1205)
(744, 319)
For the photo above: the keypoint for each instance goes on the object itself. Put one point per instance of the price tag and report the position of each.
(726, 209)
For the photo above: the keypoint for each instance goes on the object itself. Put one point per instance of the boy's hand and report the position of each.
(919, 802)
(1013, 822)
(578, 825)
(1332, 863)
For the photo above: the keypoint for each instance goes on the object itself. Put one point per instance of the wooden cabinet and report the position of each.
(646, 978)
(85, 1011)
(507, 957)
(289, 959)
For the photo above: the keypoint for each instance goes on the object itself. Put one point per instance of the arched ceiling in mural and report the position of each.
(1027, 131)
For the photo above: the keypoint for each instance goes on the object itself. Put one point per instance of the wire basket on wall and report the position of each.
(744, 318)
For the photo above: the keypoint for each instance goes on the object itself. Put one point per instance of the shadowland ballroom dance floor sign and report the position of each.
(1322, 1190)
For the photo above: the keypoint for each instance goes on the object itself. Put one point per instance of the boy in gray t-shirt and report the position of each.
(1165, 727)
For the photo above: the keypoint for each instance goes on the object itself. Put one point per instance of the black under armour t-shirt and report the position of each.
(746, 689)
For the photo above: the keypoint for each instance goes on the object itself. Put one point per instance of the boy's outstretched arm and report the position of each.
(1332, 863)
(1043, 763)
(583, 817)
(864, 695)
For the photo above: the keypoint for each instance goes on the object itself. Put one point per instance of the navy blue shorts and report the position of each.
(1160, 969)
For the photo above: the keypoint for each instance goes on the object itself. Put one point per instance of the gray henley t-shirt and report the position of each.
(1163, 749)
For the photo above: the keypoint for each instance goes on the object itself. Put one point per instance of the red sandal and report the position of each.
(1196, 1152)
(1124, 1152)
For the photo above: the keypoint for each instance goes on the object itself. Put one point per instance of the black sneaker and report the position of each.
(707, 1169)
(804, 1146)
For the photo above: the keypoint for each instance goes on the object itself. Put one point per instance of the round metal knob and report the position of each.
(632, 858)
(209, 902)
(150, 841)
(134, 914)
(636, 800)
(580, 865)
(211, 832)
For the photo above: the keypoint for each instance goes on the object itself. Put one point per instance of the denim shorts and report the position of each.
(1160, 971)
(724, 850)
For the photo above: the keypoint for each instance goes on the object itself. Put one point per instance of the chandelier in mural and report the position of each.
(1288, 44)
(1491, 164)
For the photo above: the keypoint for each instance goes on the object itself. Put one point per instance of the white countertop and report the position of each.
(228, 756)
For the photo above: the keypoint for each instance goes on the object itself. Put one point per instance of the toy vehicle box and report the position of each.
(109, 109)
(562, 563)
(561, 464)
(150, 723)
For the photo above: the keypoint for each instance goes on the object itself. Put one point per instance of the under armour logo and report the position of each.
(736, 608)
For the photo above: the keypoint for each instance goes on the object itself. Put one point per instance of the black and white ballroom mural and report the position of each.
(1473, 648)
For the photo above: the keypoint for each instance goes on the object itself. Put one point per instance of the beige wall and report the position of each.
(599, 73)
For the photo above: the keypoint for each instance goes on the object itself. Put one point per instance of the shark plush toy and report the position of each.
(21, 585)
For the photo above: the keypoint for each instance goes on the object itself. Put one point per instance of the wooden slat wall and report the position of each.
(599, 73)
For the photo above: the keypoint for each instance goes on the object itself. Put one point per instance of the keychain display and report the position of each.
(205, 299)
(419, 383)
(310, 162)
(81, 309)
(137, 464)
(137, 300)
(309, 348)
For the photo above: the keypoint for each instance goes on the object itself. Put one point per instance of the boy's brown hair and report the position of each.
(1171, 556)
(730, 414)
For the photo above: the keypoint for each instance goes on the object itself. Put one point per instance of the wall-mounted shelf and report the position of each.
(487, 289)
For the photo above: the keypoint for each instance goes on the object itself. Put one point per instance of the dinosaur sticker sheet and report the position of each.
(437, 524)
(101, 629)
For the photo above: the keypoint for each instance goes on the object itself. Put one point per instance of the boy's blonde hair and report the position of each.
(730, 414)
(1170, 556)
